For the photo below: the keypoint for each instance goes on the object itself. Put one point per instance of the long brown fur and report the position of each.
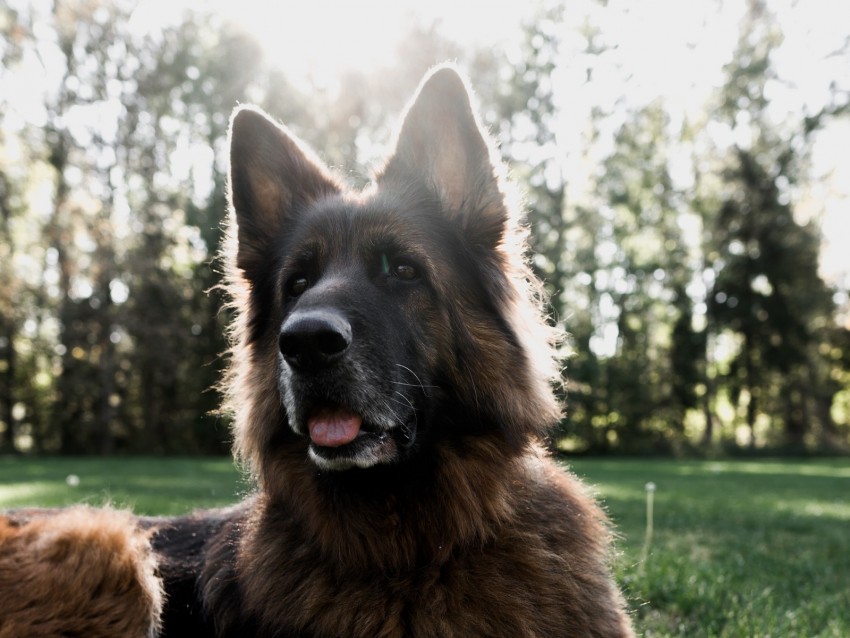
(77, 572)
(486, 536)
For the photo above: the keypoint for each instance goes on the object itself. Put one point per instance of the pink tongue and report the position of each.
(332, 429)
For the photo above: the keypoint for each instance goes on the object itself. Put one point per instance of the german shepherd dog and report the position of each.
(392, 376)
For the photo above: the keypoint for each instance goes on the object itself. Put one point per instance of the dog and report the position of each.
(392, 377)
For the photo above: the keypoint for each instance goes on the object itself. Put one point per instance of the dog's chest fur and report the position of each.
(268, 570)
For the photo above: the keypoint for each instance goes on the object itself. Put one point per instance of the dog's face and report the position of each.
(389, 316)
(359, 321)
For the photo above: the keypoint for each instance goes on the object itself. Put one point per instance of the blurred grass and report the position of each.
(740, 548)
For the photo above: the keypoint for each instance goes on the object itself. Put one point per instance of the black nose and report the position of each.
(312, 340)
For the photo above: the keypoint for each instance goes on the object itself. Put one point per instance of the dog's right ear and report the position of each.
(273, 175)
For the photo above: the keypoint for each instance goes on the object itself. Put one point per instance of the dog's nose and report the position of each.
(312, 340)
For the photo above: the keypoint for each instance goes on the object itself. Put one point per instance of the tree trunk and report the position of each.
(7, 390)
(752, 408)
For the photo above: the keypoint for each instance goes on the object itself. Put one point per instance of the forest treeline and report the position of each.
(681, 267)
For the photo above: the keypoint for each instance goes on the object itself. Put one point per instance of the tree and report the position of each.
(111, 321)
(10, 320)
(767, 291)
(643, 269)
(192, 76)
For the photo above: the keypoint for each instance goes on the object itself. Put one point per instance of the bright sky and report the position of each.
(321, 37)
(665, 49)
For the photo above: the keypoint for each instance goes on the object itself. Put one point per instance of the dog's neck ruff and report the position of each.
(459, 500)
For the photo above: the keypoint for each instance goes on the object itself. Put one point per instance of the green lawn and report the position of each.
(147, 485)
(740, 548)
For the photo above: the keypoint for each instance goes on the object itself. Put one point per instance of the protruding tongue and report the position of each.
(332, 428)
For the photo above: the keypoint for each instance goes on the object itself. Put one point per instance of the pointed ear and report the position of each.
(442, 142)
(272, 176)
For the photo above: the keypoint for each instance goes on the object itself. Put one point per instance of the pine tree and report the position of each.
(767, 291)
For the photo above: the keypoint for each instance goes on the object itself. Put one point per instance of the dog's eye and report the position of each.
(296, 285)
(405, 271)
(399, 268)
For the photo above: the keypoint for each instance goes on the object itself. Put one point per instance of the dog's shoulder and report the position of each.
(559, 508)
(559, 539)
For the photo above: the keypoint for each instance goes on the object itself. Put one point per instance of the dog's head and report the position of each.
(373, 323)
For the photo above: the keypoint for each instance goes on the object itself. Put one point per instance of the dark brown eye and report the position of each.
(296, 285)
(399, 268)
(405, 271)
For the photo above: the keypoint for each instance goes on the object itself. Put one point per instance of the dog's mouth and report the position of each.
(334, 428)
(340, 439)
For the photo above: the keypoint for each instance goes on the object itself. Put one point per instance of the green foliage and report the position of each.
(697, 316)
(118, 313)
(695, 306)
(767, 289)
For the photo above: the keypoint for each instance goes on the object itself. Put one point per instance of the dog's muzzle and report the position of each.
(345, 427)
(312, 340)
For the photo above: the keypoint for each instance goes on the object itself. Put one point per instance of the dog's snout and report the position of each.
(311, 341)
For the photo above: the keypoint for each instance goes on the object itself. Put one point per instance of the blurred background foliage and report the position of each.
(682, 248)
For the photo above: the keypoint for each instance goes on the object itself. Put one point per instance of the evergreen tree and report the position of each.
(767, 291)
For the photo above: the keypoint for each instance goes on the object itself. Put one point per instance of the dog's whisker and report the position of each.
(412, 385)
(407, 400)
(420, 384)
(415, 376)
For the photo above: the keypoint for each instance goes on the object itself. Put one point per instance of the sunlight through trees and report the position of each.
(679, 238)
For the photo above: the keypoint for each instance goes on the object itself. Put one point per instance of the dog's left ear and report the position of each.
(442, 141)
